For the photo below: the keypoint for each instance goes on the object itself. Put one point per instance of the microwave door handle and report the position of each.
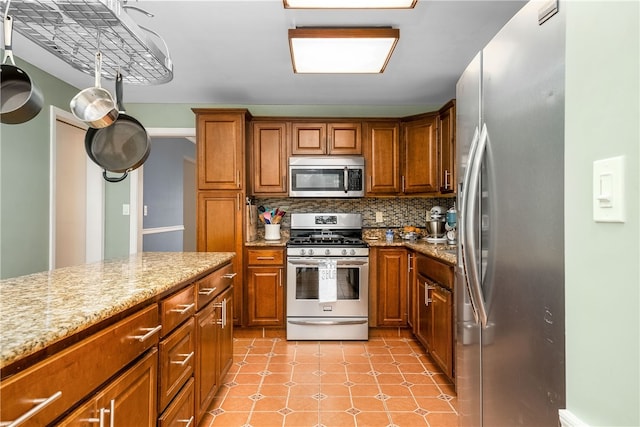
(346, 179)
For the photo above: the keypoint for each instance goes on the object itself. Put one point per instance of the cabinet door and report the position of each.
(177, 353)
(265, 296)
(382, 157)
(129, 400)
(420, 173)
(206, 363)
(308, 138)
(180, 411)
(344, 138)
(441, 343)
(220, 146)
(423, 311)
(447, 153)
(220, 230)
(269, 158)
(392, 287)
(225, 305)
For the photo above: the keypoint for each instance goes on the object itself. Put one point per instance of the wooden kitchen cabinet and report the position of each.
(220, 146)
(447, 148)
(269, 157)
(265, 287)
(129, 400)
(220, 226)
(180, 413)
(177, 353)
(382, 157)
(320, 138)
(392, 286)
(434, 310)
(419, 157)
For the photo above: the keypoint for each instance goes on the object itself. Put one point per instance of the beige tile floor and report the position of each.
(383, 382)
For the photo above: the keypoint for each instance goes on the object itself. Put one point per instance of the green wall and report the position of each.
(602, 260)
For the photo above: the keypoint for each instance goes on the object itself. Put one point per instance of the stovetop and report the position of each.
(326, 235)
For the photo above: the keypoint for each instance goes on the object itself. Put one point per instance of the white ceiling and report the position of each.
(237, 52)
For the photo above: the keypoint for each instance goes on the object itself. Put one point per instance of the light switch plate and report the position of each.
(608, 190)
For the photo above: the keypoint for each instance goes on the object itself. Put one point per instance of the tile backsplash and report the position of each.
(396, 212)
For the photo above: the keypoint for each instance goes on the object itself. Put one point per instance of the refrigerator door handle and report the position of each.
(469, 250)
(463, 215)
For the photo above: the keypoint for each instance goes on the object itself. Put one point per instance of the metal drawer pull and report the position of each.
(188, 422)
(111, 411)
(266, 258)
(149, 333)
(184, 310)
(41, 404)
(327, 322)
(207, 291)
(187, 357)
(229, 275)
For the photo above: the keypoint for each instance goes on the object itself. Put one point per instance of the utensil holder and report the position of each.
(272, 231)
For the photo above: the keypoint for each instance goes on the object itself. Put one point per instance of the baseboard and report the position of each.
(567, 419)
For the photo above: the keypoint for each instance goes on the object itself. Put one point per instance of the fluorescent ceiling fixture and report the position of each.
(341, 50)
(349, 4)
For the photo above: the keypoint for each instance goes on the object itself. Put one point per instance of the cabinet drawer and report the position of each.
(67, 377)
(181, 411)
(177, 308)
(210, 286)
(176, 362)
(265, 257)
(439, 272)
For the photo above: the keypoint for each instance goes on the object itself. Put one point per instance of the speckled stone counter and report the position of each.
(260, 241)
(445, 253)
(43, 308)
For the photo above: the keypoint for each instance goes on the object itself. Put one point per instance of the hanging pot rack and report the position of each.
(74, 30)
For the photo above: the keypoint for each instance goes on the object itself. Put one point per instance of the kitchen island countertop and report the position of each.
(43, 308)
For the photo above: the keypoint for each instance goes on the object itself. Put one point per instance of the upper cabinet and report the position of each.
(320, 138)
(419, 156)
(220, 149)
(446, 147)
(268, 165)
(382, 157)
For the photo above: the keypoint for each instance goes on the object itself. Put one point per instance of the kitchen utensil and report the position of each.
(267, 217)
(121, 147)
(21, 99)
(94, 105)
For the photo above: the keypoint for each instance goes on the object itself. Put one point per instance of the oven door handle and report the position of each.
(317, 262)
(328, 322)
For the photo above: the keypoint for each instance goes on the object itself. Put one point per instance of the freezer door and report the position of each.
(468, 115)
(523, 109)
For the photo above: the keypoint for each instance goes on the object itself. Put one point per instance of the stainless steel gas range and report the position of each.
(327, 278)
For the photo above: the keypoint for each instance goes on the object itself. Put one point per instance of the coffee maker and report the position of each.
(451, 226)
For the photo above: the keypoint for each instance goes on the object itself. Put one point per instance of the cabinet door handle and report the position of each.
(184, 310)
(187, 357)
(446, 179)
(403, 183)
(280, 277)
(238, 178)
(238, 201)
(187, 422)
(40, 405)
(230, 275)
(149, 333)
(207, 291)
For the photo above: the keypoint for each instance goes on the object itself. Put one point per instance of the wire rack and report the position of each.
(74, 30)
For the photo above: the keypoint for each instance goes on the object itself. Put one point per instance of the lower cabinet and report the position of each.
(392, 272)
(433, 302)
(265, 287)
(180, 413)
(129, 400)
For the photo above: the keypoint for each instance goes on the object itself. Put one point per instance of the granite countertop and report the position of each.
(43, 308)
(260, 241)
(442, 252)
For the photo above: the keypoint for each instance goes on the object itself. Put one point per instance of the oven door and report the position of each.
(352, 288)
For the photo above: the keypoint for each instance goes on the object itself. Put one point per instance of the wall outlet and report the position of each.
(379, 217)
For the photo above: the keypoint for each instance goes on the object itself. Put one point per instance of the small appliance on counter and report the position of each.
(451, 226)
(435, 228)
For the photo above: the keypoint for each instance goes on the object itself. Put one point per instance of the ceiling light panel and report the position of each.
(341, 50)
(349, 4)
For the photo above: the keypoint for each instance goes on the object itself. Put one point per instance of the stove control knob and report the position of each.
(327, 252)
(353, 252)
(302, 251)
(310, 251)
(344, 252)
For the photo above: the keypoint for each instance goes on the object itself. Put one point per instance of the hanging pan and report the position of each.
(94, 105)
(121, 147)
(21, 99)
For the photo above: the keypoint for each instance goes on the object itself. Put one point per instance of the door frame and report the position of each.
(137, 183)
(94, 242)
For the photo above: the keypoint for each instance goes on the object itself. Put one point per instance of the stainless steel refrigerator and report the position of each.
(510, 368)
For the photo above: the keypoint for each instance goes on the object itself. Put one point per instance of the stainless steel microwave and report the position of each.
(326, 176)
